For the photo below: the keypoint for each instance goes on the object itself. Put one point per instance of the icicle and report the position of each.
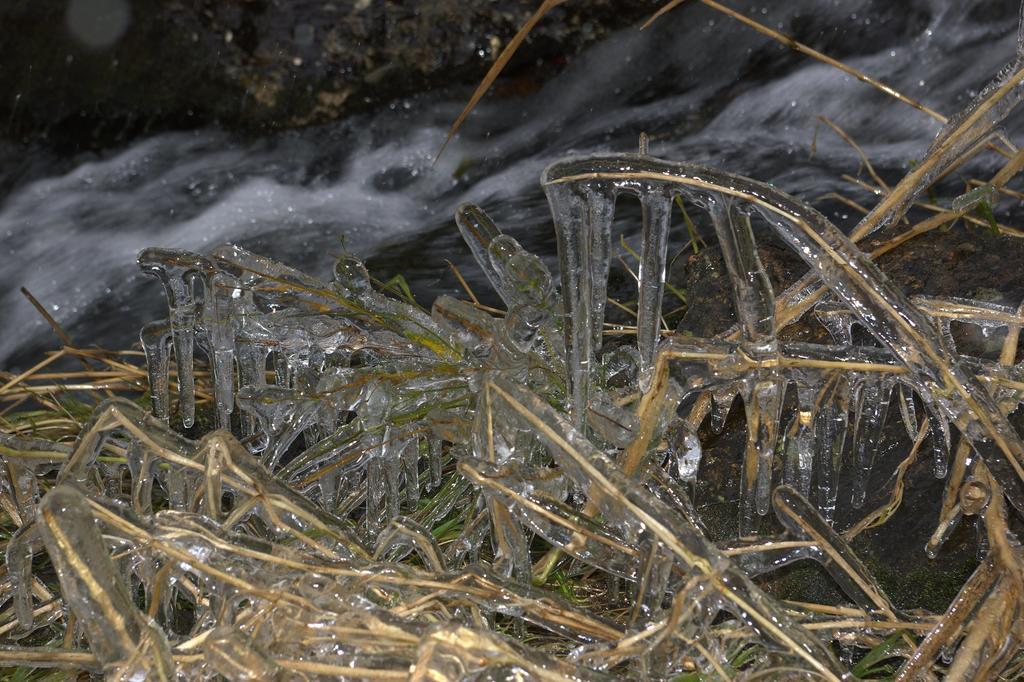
(410, 466)
(755, 309)
(871, 408)
(582, 222)
(20, 549)
(763, 402)
(175, 270)
(283, 413)
(221, 328)
(434, 462)
(752, 291)
(329, 484)
(383, 467)
(252, 371)
(800, 445)
(176, 484)
(941, 441)
(391, 462)
(140, 462)
(657, 212)
(282, 372)
(156, 339)
(252, 363)
(1020, 31)
(375, 490)
(949, 516)
(830, 426)
(478, 231)
(600, 214)
(905, 396)
(788, 451)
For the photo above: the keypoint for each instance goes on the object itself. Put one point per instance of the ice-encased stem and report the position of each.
(723, 399)
(115, 628)
(837, 320)
(941, 440)
(905, 396)
(800, 519)
(489, 431)
(972, 125)
(653, 572)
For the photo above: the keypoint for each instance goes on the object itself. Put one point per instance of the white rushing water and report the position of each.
(704, 87)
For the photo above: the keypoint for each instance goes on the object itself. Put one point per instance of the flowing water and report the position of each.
(704, 87)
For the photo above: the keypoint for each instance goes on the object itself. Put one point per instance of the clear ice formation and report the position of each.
(582, 194)
(373, 475)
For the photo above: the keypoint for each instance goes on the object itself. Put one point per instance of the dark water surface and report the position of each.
(703, 86)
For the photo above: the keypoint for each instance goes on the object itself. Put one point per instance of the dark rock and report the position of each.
(709, 290)
(91, 72)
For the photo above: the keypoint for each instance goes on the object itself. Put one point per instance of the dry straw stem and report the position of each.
(865, 161)
(883, 513)
(107, 372)
(497, 67)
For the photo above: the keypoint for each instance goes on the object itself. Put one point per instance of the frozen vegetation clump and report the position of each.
(371, 490)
